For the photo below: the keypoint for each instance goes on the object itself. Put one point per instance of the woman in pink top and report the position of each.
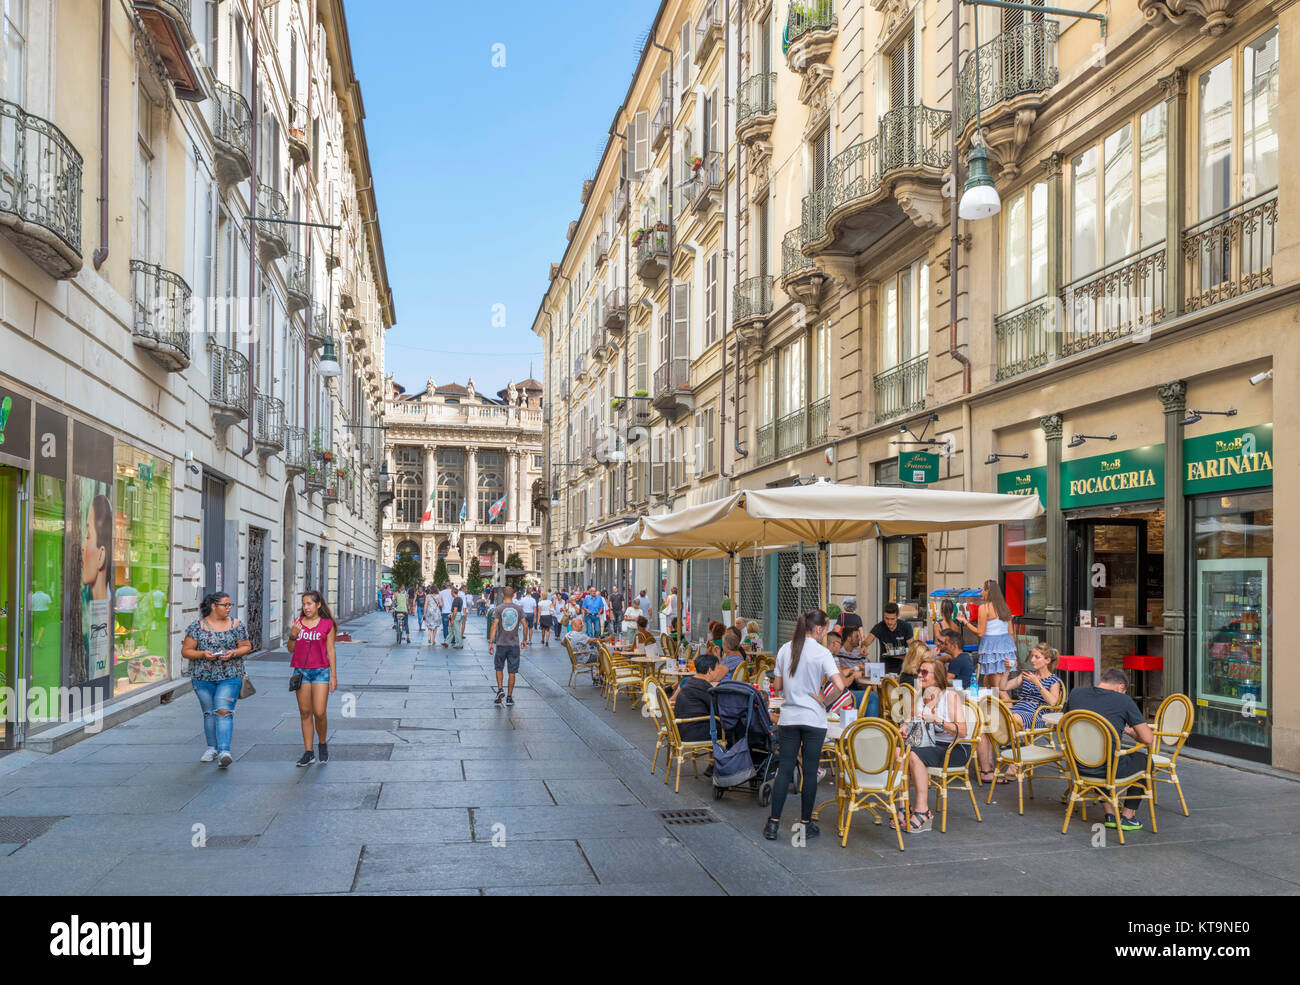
(311, 641)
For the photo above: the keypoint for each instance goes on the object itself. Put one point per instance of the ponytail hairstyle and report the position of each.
(812, 619)
(946, 610)
(917, 653)
(1051, 654)
(316, 597)
(996, 599)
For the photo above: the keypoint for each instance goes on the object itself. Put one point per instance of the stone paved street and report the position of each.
(428, 771)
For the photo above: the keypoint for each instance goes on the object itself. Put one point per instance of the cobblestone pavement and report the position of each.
(432, 789)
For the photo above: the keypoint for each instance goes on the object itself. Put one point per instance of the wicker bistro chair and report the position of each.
(667, 646)
(679, 751)
(577, 667)
(1090, 741)
(741, 673)
(1173, 726)
(1037, 722)
(872, 774)
(898, 701)
(946, 775)
(1016, 749)
(652, 709)
(618, 679)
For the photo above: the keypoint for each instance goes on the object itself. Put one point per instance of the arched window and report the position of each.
(491, 483)
(489, 556)
(408, 486)
(451, 484)
(409, 547)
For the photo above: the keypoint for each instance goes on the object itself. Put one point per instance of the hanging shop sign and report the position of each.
(918, 467)
(1026, 482)
(1120, 477)
(1238, 459)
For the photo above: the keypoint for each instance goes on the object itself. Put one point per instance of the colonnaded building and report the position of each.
(466, 468)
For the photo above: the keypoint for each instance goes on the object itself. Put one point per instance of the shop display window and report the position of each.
(141, 566)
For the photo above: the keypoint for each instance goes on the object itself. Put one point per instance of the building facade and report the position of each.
(1133, 289)
(191, 228)
(466, 470)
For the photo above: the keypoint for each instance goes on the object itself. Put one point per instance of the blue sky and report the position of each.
(478, 170)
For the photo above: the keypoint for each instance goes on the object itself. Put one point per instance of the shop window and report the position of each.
(141, 566)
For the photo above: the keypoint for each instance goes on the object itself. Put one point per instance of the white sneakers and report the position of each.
(209, 756)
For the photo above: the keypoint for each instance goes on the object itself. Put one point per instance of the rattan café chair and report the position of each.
(872, 774)
(679, 751)
(1015, 748)
(1090, 741)
(948, 775)
(618, 679)
(1173, 726)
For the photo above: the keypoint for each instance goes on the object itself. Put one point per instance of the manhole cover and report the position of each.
(699, 816)
(18, 829)
(231, 841)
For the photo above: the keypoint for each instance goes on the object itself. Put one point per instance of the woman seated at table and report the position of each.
(732, 655)
(916, 652)
(643, 636)
(937, 721)
(752, 638)
(716, 629)
(1038, 685)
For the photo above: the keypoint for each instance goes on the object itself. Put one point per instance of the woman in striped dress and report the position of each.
(1038, 685)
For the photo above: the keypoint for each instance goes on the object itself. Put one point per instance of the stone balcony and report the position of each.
(40, 191)
(160, 300)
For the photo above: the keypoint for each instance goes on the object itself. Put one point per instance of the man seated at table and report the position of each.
(581, 642)
(960, 665)
(891, 634)
(732, 655)
(692, 697)
(1109, 701)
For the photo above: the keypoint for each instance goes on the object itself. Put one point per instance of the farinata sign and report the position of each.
(1120, 477)
(1238, 459)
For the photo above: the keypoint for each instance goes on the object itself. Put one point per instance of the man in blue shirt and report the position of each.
(960, 666)
(593, 607)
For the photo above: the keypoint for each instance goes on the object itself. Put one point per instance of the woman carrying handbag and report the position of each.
(214, 648)
(315, 671)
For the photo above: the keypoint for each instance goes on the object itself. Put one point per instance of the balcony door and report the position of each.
(1022, 56)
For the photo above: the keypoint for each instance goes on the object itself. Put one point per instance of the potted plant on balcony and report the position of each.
(617, 403)
(638, 235)
(640, 393)
(697, 162)
(661, 227)
(327, 456)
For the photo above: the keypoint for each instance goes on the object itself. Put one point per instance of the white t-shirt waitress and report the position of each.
(803, 688)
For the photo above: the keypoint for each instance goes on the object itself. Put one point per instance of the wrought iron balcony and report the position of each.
(1231, 253)
(791, 433)
(620, 202)
(318, 327)
(879, 182)
(819, 421)
(272, 237)
(296, 455)
(347, 289)
(651, 252)
(40, 191)
(268, 424)
(616, 309)
(706, 186)
(161, 323)
(756, 108)
(168, 24)
(766, 442)
(602, 248)
(314, 476)
(597, 347)
(1121, 299)
(332, 483)
(810, 30)
(579, 365)
(228, 396)
(708, 31)
(901, 390)
(672, 386)
(1018, 63)
(297, 282)
(297, 134)
(661, 126)
(232, 122)
(1026, 338)
(751, 301)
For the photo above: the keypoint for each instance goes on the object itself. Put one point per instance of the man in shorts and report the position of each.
(503, 642)
(529, 605)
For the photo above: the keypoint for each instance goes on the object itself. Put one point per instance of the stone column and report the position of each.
(521, 490)
(471, 485)
(1174, 87)
(1053, 426)
(430, 476)
(1173, 397)
(1055, 238)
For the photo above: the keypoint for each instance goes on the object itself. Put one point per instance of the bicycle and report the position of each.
(401, 626)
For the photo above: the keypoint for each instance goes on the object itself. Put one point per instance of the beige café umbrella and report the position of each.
(828, 513)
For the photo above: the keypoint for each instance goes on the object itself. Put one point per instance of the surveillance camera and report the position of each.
(1259, 378)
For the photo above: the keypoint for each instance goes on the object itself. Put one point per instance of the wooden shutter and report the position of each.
(657, 466)
(681, 325)
(762, 232)
(902, 74)
(821, 157)
(711, 123)
(686, 56)
(641, 142)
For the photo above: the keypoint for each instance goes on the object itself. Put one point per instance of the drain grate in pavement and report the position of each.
(231, 841)
(266, 752)
(694, 816)
(17, 830)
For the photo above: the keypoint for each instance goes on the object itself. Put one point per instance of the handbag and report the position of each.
(295, 680)
(246, 690)
(919, 734)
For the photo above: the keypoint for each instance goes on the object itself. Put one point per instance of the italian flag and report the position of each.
(428, 511)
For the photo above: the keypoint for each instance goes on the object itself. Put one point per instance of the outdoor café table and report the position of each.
(1053, 718)
(643, 665)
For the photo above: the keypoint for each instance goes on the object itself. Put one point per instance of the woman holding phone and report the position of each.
(311, 641)
(214, 648)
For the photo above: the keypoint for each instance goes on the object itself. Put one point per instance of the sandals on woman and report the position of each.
(918, 821)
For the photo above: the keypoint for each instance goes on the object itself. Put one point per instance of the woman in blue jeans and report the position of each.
(214, 647)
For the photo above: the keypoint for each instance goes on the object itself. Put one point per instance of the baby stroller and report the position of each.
(738, 711)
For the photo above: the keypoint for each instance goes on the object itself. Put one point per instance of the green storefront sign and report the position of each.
(918, 467)
(1238, 459)
(1120, 477)
(1026, 482)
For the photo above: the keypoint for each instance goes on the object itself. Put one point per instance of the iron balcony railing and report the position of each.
(766, 443)
(914, 137)
(616, 308)
(602, 247)
(808, 15)
(1231, 253)
(296, 455)
(40, 177)
(597, 347)
(707, 179)
(708, 30)
(815, 208)
(232, 121)
(318, 327)
(314, 475)
(162, 304)
(579, 365)
(297, 281)
(756, 97)
(332, 482)
(662, 123)
(347, 289)
(790, 433)
(901, 390)
(1122, 299)
(272, 236)
(229, 375)
(620, 202)
(268, 423)
(819, 421)
(652, 252)
(1026, 338)
(1019, 61)
(793, 259)
(751, 298)
(671, 374)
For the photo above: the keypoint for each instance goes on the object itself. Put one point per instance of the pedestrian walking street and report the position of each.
(432, 789)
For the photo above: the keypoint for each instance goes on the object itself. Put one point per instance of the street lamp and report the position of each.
(979, 197)
(329, 363)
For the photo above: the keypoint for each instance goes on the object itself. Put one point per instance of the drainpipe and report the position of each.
(726, 170)
(954, 261)
(306, 355)
(105, 25)
(627, 302)
(548, 523)
(252, 245)
(672, 190)
(740, 450)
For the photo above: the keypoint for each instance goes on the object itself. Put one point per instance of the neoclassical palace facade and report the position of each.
(454, 453)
